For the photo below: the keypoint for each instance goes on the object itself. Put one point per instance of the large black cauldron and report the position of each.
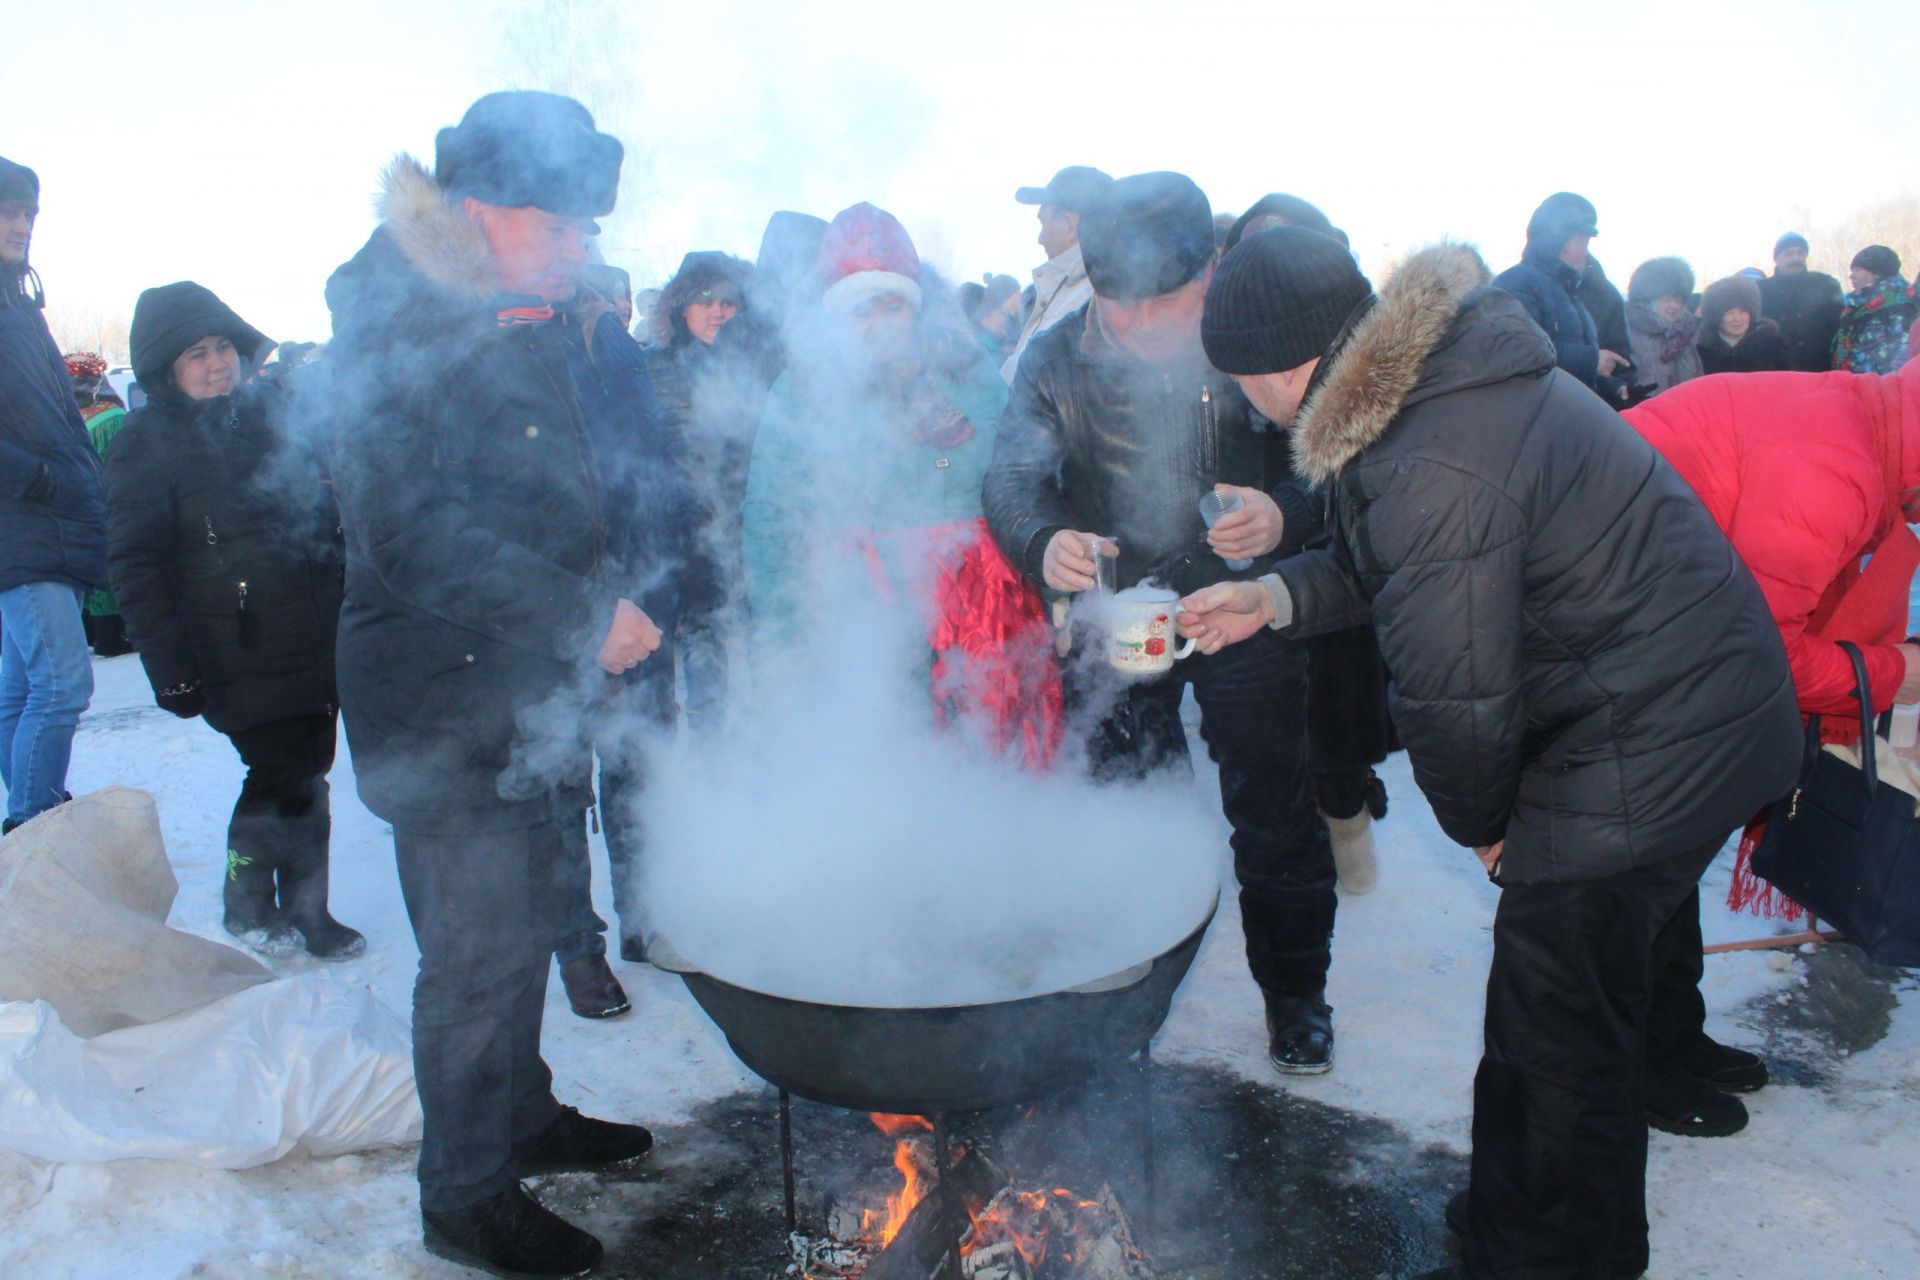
(946, 1058)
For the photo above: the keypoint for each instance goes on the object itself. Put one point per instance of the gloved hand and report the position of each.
(42, 488)
(183, 700)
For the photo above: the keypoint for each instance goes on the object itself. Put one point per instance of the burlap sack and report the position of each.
(84, 895)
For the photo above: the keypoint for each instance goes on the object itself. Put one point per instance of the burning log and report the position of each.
(976, 1225)
(1054, 1235)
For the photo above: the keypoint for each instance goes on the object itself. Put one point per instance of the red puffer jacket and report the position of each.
(1805, 473)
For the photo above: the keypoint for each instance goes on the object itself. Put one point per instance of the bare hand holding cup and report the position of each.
(1068, 564)
(1251, 529)
(1223, 614)
(630, 640)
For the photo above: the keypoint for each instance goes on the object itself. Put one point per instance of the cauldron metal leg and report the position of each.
(786, 1159)
(1148, 1170)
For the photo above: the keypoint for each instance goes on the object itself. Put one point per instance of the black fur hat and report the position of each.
(522, 148)
(1723, 296)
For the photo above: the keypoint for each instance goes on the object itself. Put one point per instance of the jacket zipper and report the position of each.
(1209, 441)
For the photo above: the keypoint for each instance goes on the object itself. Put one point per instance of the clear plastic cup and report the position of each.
(1216, 504)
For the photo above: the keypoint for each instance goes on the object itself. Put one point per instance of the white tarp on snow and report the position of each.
(303, 1061)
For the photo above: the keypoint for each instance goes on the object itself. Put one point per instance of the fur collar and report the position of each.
(1373, 372)
(441, 242)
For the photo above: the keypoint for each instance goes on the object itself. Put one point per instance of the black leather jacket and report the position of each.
(1098, 440)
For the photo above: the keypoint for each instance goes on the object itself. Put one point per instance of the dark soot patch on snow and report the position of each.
(1249, 1182)
(1845, 1006)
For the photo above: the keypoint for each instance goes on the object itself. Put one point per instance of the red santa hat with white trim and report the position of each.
(867, 253)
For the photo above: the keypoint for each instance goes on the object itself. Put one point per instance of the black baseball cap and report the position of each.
(1075, 188)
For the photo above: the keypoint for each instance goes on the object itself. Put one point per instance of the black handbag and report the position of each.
(1846, 846)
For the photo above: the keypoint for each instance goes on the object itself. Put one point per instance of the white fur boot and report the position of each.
(1353, 855)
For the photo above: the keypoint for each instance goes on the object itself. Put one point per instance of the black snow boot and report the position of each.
(574, 1143)
(1678, 1103)
(303, 886)
(1723, 1067)
(1299, 1034)
(510, 1234)
(251, 914)
(592, 989)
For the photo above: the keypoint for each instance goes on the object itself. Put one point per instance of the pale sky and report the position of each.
(239, 144)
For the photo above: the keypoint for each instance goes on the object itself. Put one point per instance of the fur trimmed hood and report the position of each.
(1368, 378)
(442, 243)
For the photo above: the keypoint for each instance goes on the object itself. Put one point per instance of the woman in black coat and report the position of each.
(224, 550)
(1734, 336)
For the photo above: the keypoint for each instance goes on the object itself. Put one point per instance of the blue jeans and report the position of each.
(46, 681)
(484, 909)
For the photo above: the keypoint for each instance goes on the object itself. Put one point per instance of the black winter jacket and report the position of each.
(52, 525)
(713, 399)
(1807, 306)
(1608, 309)
(1762, 349)
(475, 536)
(652, 518)
(1581, 664)
(1097, 440)
(225, 555)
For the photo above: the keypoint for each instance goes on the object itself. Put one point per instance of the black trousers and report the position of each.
(287, 763)
(1348, 727)
(1559, 1119)
(1252, 699)
(485, 908)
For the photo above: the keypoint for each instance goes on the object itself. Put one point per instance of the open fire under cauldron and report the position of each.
(937, 1061)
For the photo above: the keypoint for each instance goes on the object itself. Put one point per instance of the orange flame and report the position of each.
(1020, 1217)
(913, 1189)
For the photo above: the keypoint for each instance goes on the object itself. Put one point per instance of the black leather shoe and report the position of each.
(1678, 1103)
(1299, 1035)
(592, 989)
(574, 1143)
(1724, 1067)
(633, 950)
(510, 1234)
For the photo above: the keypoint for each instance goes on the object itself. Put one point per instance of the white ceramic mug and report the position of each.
(1140, 631)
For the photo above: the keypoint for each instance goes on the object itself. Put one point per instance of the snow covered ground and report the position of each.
(1820, 1184)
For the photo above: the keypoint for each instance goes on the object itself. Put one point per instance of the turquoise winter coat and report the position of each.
(849, 480)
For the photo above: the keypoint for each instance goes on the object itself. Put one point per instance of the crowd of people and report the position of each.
(504, 525)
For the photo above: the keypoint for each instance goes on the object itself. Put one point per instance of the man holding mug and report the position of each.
(1117, 427)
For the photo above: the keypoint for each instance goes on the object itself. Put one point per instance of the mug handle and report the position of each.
(1186, 650)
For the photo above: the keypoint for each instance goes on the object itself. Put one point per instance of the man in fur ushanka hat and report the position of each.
(1587, 680)
(476, 624)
